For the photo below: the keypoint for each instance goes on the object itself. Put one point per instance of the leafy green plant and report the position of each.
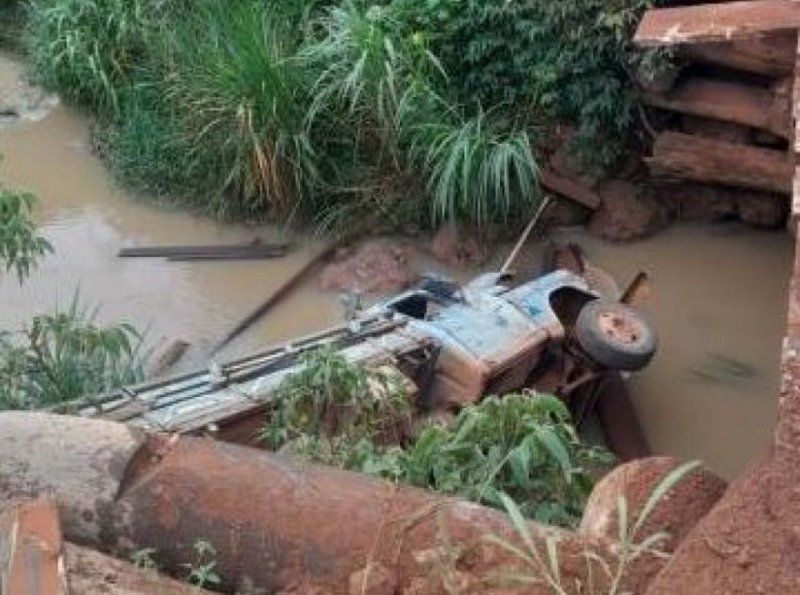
(519, 445)
(202, 571)
(541, 563)
(21, 245)
(338, 413)
(60, 357)
(334, 399)
(546, 61)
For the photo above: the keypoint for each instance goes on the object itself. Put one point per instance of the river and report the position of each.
(718, 298)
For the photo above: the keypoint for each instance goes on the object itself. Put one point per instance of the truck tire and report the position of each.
(615, 335)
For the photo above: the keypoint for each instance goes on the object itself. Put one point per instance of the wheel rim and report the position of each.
(619, 328)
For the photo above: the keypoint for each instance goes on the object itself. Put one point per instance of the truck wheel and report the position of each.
(615, 336)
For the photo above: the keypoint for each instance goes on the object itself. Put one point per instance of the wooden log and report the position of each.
(771, 55)
(683, 156)
(575, 191)
(716, 22)
(219, 251)
(749, 105)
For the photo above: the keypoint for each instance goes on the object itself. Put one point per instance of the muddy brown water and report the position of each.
(718, 296)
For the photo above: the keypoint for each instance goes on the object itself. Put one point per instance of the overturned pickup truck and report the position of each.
(449, 345)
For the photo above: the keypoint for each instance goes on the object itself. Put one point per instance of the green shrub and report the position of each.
(21, 245)
(549, 61)
(339, 413)
(60, 357)
(332, 397)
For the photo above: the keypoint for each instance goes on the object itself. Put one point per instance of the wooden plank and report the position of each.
(771, 55)
(683, 156)
(209, 251)
(744, 104)
(716, 22)
(575, 191)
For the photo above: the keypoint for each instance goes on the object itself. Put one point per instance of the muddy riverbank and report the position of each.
(718, 298)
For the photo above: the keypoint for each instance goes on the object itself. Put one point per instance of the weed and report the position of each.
(337, 400)
(543, 565)
(339, 413)
(21, 245)
(60, 357)
(202, 571)
(87, 49)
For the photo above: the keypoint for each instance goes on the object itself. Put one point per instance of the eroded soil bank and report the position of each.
(718, 295)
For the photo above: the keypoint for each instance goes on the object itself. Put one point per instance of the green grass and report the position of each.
(88, 50)
(476, 170)
(314, 109)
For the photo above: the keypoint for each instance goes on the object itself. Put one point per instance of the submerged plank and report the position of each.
(210, 251)
(716, 22)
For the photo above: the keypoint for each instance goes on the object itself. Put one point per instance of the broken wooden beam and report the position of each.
(716, 22)
(748, 105)
(252, 250)
(575, 191)
(684, 156)
(771, 55)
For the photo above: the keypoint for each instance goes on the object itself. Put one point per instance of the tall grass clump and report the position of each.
(88, 50)
(239, 96)
(476, 169)
(362, 67)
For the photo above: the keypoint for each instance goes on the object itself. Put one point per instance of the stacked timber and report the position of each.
(739, 79)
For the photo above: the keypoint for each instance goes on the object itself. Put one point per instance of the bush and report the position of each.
(339, 413)
(546, 61)
(61, 357)
(325, 108)
(21, 246)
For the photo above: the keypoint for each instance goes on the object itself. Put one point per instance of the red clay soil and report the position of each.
(374, 267)
(676, 513)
